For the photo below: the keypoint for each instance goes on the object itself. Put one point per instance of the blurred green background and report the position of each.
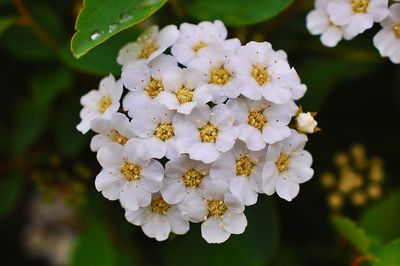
(51, 214)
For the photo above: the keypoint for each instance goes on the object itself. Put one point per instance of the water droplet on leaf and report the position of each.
(96, 35)
(112, 28)
(125, 18)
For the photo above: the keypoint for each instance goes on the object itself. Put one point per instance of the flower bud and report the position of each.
(306, 123)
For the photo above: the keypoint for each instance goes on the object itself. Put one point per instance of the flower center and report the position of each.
(208, 133)
(154, 87)
(148, 49)
(256, 119)
(104, 103)
(159, 206)
(396, 30)
(244, 166)
(131, 171)
(220, 76)
(164, 131)
(198, 46)
(360, 6)
(282, 164)
(260, 74)
(192, 178)
(118, 137)
(216, 208)
(184, 95)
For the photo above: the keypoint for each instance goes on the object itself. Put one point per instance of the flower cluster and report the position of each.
(205, 127)
(335, 20)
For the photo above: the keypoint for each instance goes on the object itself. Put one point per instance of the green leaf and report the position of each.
(389, 255)
(93, 247)
(237, 12)
(102, 60)
(10, 192)
(49, 83)
(6, 22)
(99, 20)
(384, 229)
(354, 234)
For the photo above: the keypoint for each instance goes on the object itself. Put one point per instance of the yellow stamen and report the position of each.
(184, 95)
(260, 74)
(282, 164)
(131, 171)
(244, 166)
(256, 119)
(104, 103)
(148, 49)
(198, 46)
(216, 208)
(118, 137)
(154, 88)
(360, 6)
(192, 178)
(159, 206)
(396, 30)
(219, 76)
(208, 133)
(164, 131)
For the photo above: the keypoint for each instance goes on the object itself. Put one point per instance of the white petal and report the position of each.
(151, 176)
(331, 37)
(173, 190)
(111, 156)
(213, 232)
(252, 137)
(317, 22)
(226, 139)
(133, 197)
(179, 225)
(136, 76)
(270, 178)
(138, 217)
(273, 134)
(287, 189)
(205, 152)
(157, 227)
(234, 223)
(241, 189)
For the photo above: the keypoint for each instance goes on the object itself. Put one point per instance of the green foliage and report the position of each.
(237, 12)
(98, 21)
(388, 255)
(354, 234)
(6, 22)
(94, 247)
(382, 220)
(10, 192)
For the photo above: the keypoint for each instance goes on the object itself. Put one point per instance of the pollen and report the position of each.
(360, 6)
(117, 137)
(148, 49)
(216, 208)
(198, 46)
(104, 103)
(192, 178)
(282, 164)
(244, 166)
(256, 119)
(159, 206)
(184, 95)
(131, 171)
(208, 133)
(164, 131)
(154, 87)
(220, 76)
(396, 30)
(260, 74)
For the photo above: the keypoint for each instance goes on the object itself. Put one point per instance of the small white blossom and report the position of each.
(102, 103)
(262, 72)
(150, 44)
(214, 65)
(241, 169)
(319, 23)
(184, 185)
(261, 122)
(156, 126)
(306, 123)
(356, 16)
(158, 219)
(193, 38)
(145, 82)
(206, 132)
(387, 40)
(287, 165)
(184, 90)
(117, 129)
(129, 174)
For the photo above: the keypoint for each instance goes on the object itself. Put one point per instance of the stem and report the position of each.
(27, 20)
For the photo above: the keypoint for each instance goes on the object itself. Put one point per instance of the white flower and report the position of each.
(156, 126)
(263, 72)
(150, 44)
(387, 40)
(103, 102)
(206, 133)
(222, 213)
(184, 90)
(356, 16)
(261, 122)
(184, 184)
(306, 123)
(193, 38)
(145, 82)
(319, 23)
(242, 169)
(129, 174)
(214, 64)
(158, 219)
(287, 165)
(117, 129)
